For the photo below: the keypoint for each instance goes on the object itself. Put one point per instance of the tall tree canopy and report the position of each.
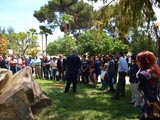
(23, 40)
(51, 13)
(97, 42)
(61, 46)
(120, 17)
(117, 17)
(124, 15)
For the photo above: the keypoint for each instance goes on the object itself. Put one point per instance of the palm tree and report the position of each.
(65, 20)
(41, 33)
(45, 31)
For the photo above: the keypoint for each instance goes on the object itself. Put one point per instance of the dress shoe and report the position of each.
(64, 91)
(122, 95)
(110, 91)
(137, 105)
(114, 98)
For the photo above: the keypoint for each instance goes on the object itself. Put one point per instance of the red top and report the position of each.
(23, 63)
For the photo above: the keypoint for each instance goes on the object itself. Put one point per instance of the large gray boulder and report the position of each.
(20, 95)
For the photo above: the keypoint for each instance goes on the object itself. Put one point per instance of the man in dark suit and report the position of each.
(2, 63)
(72, 66)
(61, 67)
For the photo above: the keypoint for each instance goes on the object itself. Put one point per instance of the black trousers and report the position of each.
(71, 78)
(121, 84)
(85, 77)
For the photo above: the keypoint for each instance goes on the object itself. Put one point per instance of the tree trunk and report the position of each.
(46, 41)
(65, 28)
(157, 42)
(42, 44)
(158, 47)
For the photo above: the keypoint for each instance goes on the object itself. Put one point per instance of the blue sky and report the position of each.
(19, 15)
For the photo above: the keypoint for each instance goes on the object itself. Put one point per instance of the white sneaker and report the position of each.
(131, 102)
(137, 105)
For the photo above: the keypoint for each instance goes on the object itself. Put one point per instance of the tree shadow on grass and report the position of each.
(87, 104)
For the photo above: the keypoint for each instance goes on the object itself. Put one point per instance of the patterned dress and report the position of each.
(149, 89)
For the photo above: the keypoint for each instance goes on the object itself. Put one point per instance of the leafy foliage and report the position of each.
(51, 12)
(92, 42)
(142, 42)
(65, 20)
(96, 42)
(83, 16)
(23, 40)
(53, 48)
(122, 16)
(3, 44)
(61, 46)
(32, 51)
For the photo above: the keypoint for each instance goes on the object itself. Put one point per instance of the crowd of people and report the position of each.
(54, 68)
(43, 67)
(142, 69)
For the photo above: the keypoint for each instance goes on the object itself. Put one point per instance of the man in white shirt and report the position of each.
(38, 68)
(122, 71)
(19, 63)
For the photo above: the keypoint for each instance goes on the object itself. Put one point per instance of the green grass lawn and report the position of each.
(87, 104)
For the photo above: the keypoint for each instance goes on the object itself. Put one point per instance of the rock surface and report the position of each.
(20, 95)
